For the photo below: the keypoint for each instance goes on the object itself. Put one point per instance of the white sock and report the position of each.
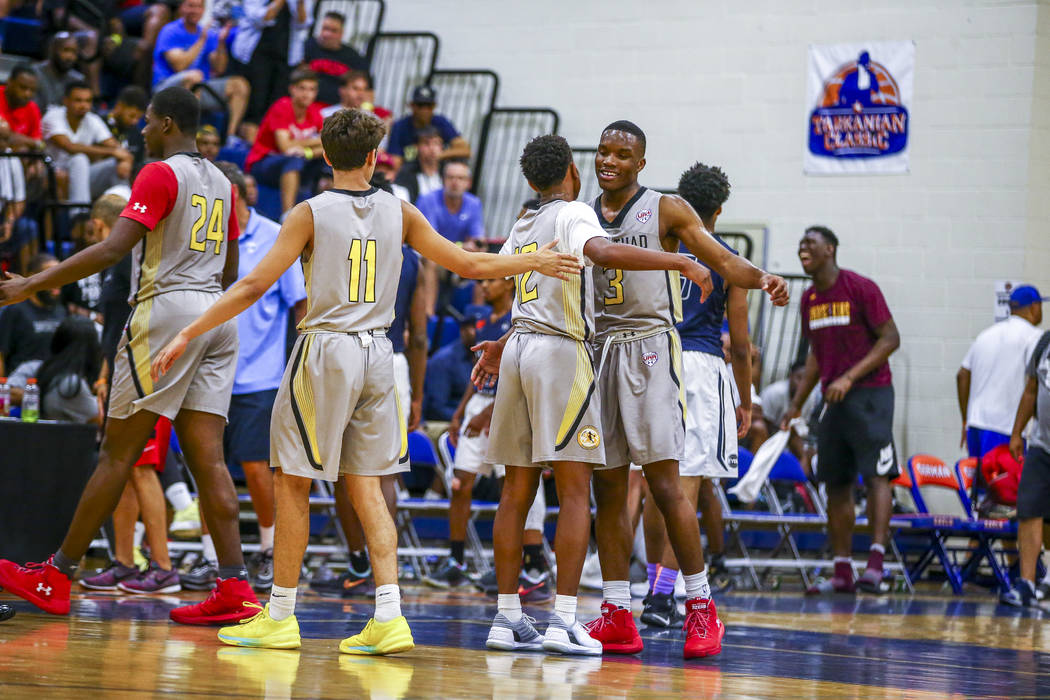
(565, 608)
(265, 538)
(509, 606)
(388, 602)
(618, 593)
(140, 532)
(696, 585)
(282, 602)
(876, 547)
(209, 550)
(178, 495)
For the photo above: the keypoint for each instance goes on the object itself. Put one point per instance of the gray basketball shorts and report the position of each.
(643, 400)
(546, 406)
(200, 380)
(337, 409)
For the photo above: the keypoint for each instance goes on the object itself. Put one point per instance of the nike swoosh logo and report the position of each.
(525, 591)
(348, 584)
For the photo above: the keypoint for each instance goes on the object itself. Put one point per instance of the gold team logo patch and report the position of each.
(588, 437)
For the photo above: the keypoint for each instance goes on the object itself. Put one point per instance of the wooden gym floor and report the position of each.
(782, 645)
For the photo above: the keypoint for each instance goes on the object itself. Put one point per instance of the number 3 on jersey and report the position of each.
(522, 281)
(214, 221)
(615, 288)
(368, 260)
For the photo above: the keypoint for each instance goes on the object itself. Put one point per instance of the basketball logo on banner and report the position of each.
(859, 120)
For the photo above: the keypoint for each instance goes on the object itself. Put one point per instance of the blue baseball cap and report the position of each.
(1025, 295)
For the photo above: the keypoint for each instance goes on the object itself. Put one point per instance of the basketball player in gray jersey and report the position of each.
(181, 223)
(643, 398)
(337, 410)
(546, 409)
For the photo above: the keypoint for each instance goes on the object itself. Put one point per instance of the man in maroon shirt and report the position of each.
(851, 335)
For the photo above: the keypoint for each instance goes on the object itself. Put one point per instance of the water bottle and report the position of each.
(31, 402)
(5, 398)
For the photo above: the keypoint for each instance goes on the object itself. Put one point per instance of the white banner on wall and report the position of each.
(858, 96)
(1002, 298)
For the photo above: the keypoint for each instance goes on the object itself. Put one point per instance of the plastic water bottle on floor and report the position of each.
(5, 398)
(31, 402)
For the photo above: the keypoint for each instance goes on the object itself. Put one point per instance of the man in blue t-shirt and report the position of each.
(189, 53)
(403, 137)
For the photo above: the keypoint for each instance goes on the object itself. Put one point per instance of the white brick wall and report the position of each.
(724, 82)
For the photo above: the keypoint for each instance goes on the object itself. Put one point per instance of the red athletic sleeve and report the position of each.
(233, 228)
(153, 195)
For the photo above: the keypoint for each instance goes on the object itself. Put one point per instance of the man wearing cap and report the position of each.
(992, 376)
(403, 136)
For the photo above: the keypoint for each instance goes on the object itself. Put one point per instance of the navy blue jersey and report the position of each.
(701, 326)
(493, 330)
(406, 288)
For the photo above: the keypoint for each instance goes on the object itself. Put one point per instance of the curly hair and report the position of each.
(545, 160)
(349, 135)
(705, 187)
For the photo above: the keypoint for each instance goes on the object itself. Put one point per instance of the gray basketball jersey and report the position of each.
(546, 304)
(186, 250)
(354, 269)
(636, 300)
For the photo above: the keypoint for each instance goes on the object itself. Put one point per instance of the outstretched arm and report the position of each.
(628, 257)
(296, 234)
(420, 235)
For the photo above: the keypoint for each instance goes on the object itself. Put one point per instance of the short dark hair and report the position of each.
(234, 175)
(796, 366)
(827, 234)
(630, 128)
(77, 85)
(21, 69)
(354, 74)
(705, 187)
(427, 132)
(133, 96)
(338, 16)
(349, 135)
(181, 106)
(545, 160)
(37, 262)
(302, 74)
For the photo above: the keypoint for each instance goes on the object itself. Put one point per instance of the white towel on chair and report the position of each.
(749, 486)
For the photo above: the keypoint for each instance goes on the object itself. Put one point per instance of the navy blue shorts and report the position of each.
(248, 432)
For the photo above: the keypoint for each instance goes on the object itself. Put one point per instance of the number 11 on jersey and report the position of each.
(368, 261)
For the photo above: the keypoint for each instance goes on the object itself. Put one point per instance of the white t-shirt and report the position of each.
(91, 131)
(997, 361)
(576, 224)
(428, 183)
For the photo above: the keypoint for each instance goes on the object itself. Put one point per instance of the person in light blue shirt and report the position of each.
(261, 359)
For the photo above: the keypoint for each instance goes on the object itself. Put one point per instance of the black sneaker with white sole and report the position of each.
(661, 610)
(201, 577)
(450, 575)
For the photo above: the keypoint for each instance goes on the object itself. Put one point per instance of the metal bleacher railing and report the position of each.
(466, 97)
(400, 61)
(584, 159)
(778, 333)
(364, 18)
(497, 176)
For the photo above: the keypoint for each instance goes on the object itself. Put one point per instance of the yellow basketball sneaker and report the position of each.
(263, 631)
(380, 638)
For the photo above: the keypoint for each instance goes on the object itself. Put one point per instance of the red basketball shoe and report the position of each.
(41, 584)
(231, 600)
(616, 630)
(703, 629)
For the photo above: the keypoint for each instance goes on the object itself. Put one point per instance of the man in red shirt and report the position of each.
(19, 131)
(19, 112)
(287, 152)
(851, 334)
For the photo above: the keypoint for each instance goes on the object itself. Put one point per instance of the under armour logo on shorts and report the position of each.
(41, 588)
(139, 207)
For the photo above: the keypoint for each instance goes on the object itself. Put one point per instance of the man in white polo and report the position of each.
(992, 376)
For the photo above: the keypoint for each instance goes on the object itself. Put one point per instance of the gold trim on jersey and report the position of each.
(579, 396)
(153, 247)
(303, 401)
(570, 300)
(138, 344)
(676, 366)
(402, 429)
(675, 289)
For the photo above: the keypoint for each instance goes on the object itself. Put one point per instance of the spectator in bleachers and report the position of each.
(991, 379)
(124, 123)
(776, 398)
(252, 188)
(385, 172)
(19, 178)
(58, 71)
(18, 111)
(188, 53)
(423, 175)
(354, 89)
(287, 153)
(1033, 493)
(66, 373)
(404, 132)
(88, 159)
(852, 335)
(448, 371)
(330, 58)
(84, 297)
(26, 327)
(269, 41)
(208, 142)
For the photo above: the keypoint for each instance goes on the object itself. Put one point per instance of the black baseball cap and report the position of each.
(423, 95)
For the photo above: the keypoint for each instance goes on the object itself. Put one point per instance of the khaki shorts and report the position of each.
(200, 380)
(337, 410)
(546, 404)
(643, 400)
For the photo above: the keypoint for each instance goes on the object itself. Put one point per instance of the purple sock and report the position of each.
(665, 581)
(652, 570)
